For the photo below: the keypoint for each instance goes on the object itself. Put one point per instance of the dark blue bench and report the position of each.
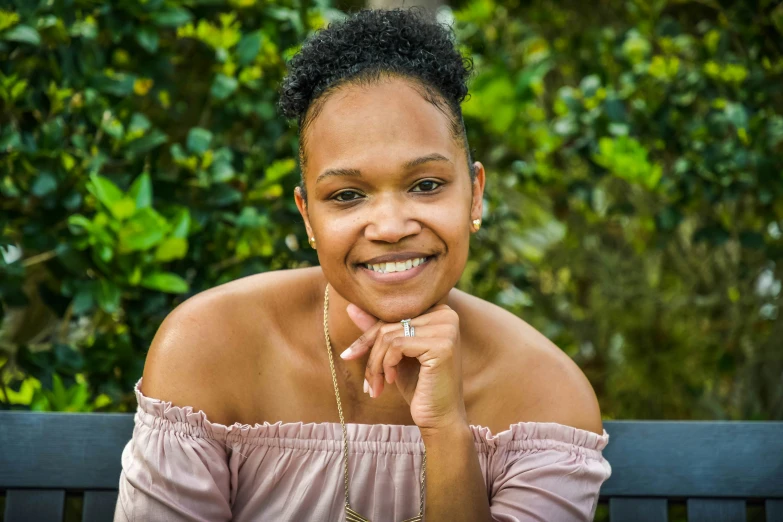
(716, 468)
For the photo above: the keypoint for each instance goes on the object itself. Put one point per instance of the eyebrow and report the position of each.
(408, 165)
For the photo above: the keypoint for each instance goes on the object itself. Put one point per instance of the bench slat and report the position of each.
(75, 451)
(99, 506)
(629, 509)
(23, 505)
(716, 510)
(774, 509)
(694, 459)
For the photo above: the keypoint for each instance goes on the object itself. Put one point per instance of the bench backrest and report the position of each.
(716, 467)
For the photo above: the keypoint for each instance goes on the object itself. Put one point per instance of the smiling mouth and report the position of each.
(400, 266)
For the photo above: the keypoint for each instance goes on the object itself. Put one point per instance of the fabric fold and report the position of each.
(181, 466)
(522, 435)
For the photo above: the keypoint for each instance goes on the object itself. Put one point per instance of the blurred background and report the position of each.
(634, 201)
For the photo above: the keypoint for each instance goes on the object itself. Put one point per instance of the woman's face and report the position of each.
(387, 182)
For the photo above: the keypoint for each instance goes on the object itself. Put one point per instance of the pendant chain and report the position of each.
(348, 508)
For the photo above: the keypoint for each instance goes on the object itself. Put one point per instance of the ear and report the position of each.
(477, 206)
(302, 206)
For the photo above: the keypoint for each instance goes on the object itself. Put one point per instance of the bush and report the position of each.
(143, 161)
(636, 197)
(634, 209)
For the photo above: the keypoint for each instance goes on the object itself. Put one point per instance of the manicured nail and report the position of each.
(346, 353)
(366, 385)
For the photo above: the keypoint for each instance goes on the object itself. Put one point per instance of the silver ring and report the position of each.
(407, 328)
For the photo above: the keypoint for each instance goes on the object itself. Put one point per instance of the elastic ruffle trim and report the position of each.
(163, 415)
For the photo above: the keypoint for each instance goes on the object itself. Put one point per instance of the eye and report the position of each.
(428, 185)
(349, 193)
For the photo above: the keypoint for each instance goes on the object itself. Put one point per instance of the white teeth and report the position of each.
(386, 268)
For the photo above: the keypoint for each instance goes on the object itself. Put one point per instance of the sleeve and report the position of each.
(170, 476)
(548, 480)
(173, 469)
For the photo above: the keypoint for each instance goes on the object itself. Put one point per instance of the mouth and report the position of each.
(396, 271)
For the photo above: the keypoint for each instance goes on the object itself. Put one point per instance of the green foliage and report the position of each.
(634, 200)
(143, 160)
(635, 195)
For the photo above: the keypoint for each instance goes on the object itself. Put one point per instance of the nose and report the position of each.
(390, 220)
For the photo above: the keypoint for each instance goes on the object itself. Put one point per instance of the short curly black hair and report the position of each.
(367, 47)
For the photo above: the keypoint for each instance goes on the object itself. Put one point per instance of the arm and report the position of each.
(173, 468)
(550, 470)
(455, 487)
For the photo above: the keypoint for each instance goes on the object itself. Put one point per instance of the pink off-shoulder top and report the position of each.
(180, 466)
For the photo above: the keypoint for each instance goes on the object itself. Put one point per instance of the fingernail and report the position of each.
(346, 353)
(366, 385)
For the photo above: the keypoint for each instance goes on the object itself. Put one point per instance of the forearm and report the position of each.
(455, 488)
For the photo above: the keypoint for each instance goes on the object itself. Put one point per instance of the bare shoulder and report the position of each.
(208, 345)
(530, 378)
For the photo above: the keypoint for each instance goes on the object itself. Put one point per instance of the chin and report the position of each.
(394, 310)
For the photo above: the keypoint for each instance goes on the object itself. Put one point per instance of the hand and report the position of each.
(427, 368)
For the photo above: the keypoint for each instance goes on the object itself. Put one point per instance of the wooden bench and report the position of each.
(716, 468)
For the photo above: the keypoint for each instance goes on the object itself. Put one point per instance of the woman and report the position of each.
(250, 405)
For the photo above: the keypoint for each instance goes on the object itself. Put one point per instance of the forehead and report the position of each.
(378, 125)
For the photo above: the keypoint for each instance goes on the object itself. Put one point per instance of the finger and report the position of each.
(374, 369)
(377, 370)
(360, 346)
(393, 354)
(362, 319)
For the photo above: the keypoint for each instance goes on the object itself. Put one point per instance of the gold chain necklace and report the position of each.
(350, 514)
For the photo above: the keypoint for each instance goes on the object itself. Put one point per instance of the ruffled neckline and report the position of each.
(160, 414)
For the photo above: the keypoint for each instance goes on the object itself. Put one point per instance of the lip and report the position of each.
(396, 277)
(393, 258)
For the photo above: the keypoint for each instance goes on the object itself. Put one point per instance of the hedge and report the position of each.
(634, 197)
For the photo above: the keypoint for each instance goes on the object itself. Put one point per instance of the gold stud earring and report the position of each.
(477, 223)
(312, 242)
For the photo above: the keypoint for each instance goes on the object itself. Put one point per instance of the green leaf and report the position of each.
(141, 191)
(143, 231)
(118, 85)
(44, 184)
(67, 357)
(222, 195)
(199, 140)
(23, 34)
(139, 123)
(172, 17)
(145, 144)
(83, 301)
(223, 86)
(9, 139)
(181, 224)
(279, 169)
(148, 39)
(165, 282)
(123, 209)
(104, 190)
(171, 248)
(108, 296)
(76, 221)
(248, 48)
